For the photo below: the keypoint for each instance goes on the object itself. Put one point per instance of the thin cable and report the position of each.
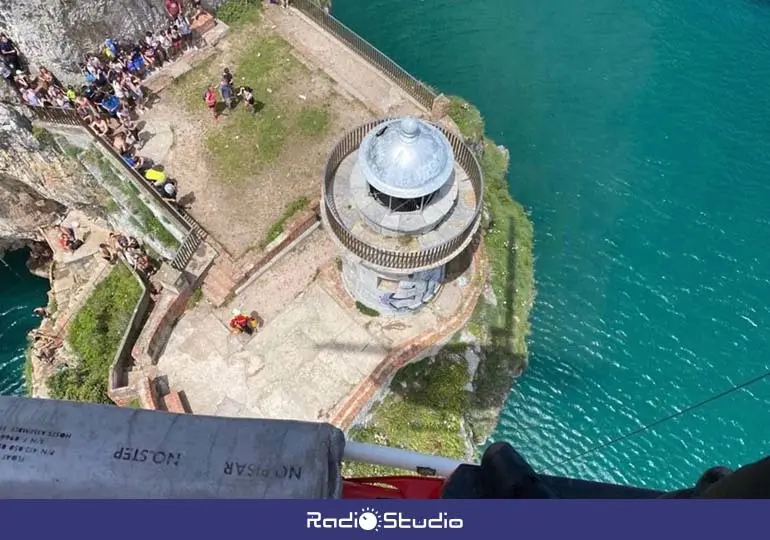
(660, 421)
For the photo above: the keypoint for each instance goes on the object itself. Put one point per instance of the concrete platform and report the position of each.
(311, 356)
(158, 139)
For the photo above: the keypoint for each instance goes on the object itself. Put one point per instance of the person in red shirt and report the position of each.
(173, 8)
(211, 101)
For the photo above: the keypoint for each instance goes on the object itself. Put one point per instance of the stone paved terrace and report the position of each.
(314, 350)
(352, 73)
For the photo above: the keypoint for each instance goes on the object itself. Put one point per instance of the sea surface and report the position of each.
(639, 133)
(20, 293)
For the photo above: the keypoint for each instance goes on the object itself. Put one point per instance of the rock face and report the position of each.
(57, 33)
(37, 182)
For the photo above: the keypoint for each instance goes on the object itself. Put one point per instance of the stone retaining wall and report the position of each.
(291, 231)
(118, 388)
(159, 325)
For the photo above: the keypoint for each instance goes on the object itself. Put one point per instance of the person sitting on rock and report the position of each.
(132, 255)
(119, 242)
(151, 57)
(58, 98)
(30, 97)
(21, 80)
(100, 126)
(138, 163)
(107, 254)
(198, 11)
(47, 77)
(121, 145)
(67, 239)
(144, 265)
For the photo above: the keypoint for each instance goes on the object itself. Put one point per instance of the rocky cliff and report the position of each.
(37, 181)
(57, 33)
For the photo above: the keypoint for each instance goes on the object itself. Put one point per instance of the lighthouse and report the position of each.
(402, 198)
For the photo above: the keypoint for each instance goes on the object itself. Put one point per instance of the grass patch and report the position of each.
(195, 298)
(43, 136)
(134, 404)
(467, 117)
(313, 121)
(242, 143)
(366, 310)
(423, 412)
(239, 12)
(94, 335)
(276, 228)
(28, 369)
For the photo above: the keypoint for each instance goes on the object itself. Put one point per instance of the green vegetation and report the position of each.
(313, 120)
(467, 117)
(242, 144)
(195, 298)
(366, 310)
(423, 411)
(144, 218)
(43, 136)
(28, 370)
(501, 330)
(94, 336)
(239, 12)
(276, 228)
(134, 404)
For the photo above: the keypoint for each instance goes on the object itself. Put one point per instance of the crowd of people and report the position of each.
(112, 95)
(131, 251)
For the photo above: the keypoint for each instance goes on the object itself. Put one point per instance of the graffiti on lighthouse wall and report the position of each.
(412, 293)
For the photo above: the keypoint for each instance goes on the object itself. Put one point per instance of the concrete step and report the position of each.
(218, 278)
(216, 294)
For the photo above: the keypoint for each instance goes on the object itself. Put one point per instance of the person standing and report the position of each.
(186, 32)
(210, 97)
(247, 95)
(10, 53)
(227, 92)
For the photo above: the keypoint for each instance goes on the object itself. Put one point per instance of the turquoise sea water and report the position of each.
(20, 293)
(639, 133)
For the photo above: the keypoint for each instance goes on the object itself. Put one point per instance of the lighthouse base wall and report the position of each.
(390, 294)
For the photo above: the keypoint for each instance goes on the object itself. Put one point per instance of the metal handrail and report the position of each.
(69, 117)
(406, 260)
(416, 89)
(186, 250)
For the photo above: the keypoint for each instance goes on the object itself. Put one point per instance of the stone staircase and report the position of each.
(221, 280)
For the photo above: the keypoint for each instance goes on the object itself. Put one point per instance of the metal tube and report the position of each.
(400, 459)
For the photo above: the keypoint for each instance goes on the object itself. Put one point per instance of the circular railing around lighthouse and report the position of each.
(406, 260)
